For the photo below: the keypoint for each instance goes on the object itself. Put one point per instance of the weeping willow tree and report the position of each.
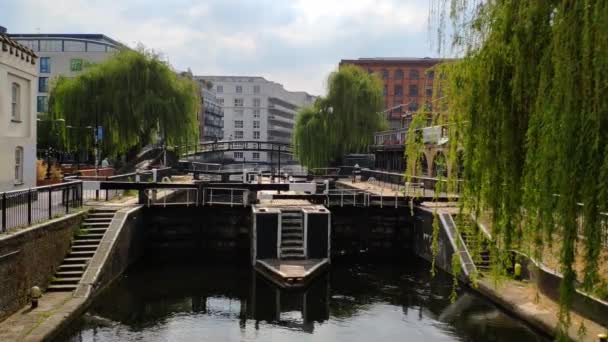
(342, 122)
(529, 99)
(132, 96)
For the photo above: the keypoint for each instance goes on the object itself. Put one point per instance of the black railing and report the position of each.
(397, 180)
(23, 208)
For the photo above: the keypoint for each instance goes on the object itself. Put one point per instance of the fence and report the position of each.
(23, 208)
(396, 181)
(91, 184)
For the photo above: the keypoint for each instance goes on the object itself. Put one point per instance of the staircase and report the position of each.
(84, 246)
(472, 240)
(292, 235)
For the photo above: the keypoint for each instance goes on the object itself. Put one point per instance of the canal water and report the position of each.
(354, 302)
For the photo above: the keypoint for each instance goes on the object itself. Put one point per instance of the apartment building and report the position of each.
(256, 109)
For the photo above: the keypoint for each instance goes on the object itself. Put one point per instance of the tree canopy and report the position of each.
(342, 122)
(529, 98)
(131, 96)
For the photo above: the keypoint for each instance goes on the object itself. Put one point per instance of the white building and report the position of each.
(18, 80)
(256, 109)
(66, 55)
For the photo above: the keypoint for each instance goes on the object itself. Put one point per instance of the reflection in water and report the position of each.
(174, 302)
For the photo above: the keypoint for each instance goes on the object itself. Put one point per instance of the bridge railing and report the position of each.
(234, 145)
(23, 208)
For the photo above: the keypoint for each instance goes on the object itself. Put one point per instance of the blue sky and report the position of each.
(293, 42)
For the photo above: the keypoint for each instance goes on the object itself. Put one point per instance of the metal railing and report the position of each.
(396, 181)
(225, 196)
(171, 196)
(23, 208)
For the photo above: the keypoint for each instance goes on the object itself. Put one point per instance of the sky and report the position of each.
(293, 42)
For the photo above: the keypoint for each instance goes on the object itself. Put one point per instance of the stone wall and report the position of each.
(30, 257)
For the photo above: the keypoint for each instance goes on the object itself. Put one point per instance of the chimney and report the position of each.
(2, 30)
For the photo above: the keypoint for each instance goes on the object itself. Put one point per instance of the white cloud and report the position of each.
(258, 38)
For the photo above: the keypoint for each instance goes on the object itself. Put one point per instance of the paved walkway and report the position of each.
(524, 300)
(22, 325)
(389, 189)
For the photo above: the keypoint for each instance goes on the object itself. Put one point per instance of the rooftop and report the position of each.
(397, 60)
(17, 49)
(83, 36)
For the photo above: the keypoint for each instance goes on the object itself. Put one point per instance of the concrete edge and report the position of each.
(83, 296)
(42, 225)
(98, 261)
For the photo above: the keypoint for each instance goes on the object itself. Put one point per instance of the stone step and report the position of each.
(96, 230)
(101, 214)
(81, 248)
(61, 288)
(75, 261)
(69, 274)
(104, 210)
(71, 268)
(89, 236)
(81, 254)
(85, 241)
(95, 224)
(65, 280)
(98, 219)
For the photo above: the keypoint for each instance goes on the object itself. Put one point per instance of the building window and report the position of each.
(398, 90)
(414, 74)
(19, 165)
(413, 107)
(238, 113)
(239, 89)
(238, 155)
(51, 45)
(256, 113)
(220, 100)
(399, 74)
(256, 102)
(220, 89)
(42, 104)
(384, 74)
(238, 102)
(238, 134)
(256, 135)
(45, 65)
(15, 102)
(238, 123)
(431, 75)
(256, 89)
(413, 90)
(255, 155)
(43, 84)
(256, 124)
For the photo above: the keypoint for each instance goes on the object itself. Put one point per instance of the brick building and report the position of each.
(408, 84)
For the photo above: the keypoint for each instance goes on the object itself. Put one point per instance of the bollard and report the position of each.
(35, 293)
(517, 271)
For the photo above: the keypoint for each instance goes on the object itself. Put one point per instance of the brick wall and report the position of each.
(29, 258)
